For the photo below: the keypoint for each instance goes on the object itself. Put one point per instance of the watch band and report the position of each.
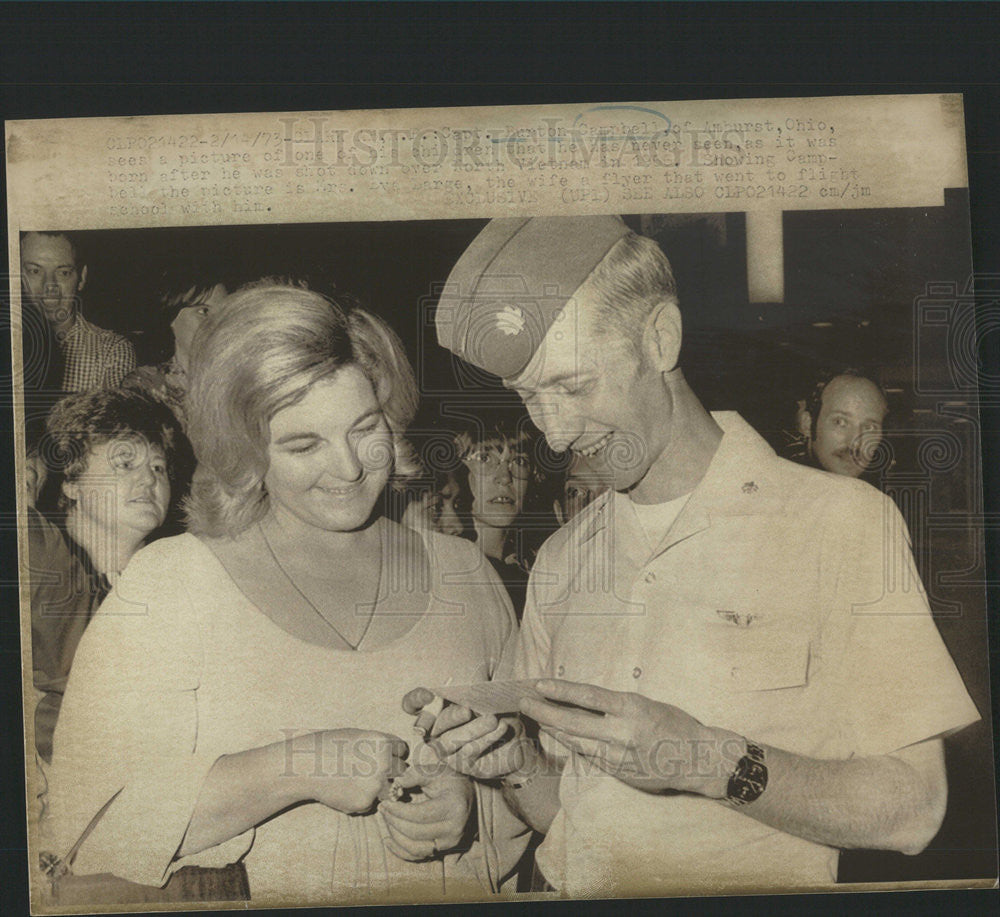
(517, 781)
(749, 779)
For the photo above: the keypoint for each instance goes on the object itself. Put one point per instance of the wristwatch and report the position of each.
(749, 779)
(530, 768)
(516, 781)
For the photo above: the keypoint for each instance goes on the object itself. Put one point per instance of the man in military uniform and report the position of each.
(740, 672)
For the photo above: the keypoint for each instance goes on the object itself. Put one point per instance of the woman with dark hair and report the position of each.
(501, 499)
(113, 458)
(188, 292)
(278, 638)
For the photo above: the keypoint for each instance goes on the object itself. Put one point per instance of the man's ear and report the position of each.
(71, 490)
(804, 419)
(663, 334)
(83, 278)
(557, 510)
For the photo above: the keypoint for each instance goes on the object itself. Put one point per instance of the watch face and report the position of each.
(755, 785)
(750, 778)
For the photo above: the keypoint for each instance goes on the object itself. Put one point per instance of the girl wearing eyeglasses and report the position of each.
(501, 479)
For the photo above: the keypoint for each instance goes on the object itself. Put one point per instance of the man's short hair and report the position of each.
(632, 279)
(72, 238)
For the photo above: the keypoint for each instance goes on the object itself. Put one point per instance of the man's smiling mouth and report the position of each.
(592, 450)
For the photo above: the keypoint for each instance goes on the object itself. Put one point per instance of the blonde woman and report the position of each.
(245, 679)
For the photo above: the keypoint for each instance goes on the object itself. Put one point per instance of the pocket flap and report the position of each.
(765, 661)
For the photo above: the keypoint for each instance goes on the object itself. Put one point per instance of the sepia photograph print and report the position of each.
(496, 504)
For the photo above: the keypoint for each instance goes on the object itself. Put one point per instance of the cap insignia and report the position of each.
(510, 320)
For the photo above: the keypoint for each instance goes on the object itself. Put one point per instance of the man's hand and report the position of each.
(651, 746)
(434, 821)
(483, 747)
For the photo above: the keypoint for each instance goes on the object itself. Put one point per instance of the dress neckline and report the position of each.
(407, 563)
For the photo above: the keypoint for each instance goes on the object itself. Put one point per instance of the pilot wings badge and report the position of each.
(735, 617)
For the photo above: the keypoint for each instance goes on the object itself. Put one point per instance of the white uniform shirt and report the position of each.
(783, 604)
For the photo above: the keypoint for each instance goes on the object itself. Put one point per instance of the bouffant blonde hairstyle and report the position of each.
(263, 351)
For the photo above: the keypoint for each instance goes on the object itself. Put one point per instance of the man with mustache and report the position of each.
(841, 423)
(51, 279)
(737, 683)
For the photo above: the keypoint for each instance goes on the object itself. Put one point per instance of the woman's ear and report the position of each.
(663, 335)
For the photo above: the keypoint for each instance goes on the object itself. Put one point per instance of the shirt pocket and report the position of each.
(750, 673)
(758, 657)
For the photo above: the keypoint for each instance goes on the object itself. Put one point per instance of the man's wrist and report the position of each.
(749, 778)
(717, 760)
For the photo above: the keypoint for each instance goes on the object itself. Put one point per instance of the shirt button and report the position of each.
(650, 577)
(636, 672)
(560, 670)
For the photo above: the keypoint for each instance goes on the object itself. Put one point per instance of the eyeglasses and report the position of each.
(488, 460)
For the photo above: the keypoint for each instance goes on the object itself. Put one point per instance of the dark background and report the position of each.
(117, 59)
(851, 280)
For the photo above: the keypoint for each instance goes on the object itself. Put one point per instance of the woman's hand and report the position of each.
(345, 769)
(484, 747)
(435, 819)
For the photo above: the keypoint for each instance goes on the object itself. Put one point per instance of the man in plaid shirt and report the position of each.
(93, 357)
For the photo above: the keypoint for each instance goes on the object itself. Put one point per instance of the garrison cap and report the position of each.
(512, 281)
